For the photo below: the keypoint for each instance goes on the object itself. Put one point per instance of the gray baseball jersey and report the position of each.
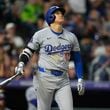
(54, 50)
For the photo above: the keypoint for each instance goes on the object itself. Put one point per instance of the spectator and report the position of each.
(2, 36)
(78, 6)
(12, 12)
(86, 48)
(31, 11)
(75, 23)
(2, 101)
(2, 52)
(100, 66)
(106, 21)
(2, 68)
(12, 39)
(5, 64)
(93, 24)
(98, 5)
(41, 22)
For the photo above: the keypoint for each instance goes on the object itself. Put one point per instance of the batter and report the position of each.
(54, 44)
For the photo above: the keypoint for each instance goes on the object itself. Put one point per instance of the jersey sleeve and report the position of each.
(34, 43)
(76, 46)
(32, 46)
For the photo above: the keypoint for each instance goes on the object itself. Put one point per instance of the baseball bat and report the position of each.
(7, 81)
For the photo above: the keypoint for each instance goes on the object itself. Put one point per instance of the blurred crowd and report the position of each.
(88, 19)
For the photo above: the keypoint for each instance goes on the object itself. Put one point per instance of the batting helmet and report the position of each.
(50, 17)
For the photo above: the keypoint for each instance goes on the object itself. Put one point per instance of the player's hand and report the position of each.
(19, 68)
(80, 87)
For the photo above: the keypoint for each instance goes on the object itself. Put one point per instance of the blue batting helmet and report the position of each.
(50, 17)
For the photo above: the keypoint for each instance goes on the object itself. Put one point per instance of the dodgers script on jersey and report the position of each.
(55, 49)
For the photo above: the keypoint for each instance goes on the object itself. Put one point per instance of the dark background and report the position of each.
(95, 96)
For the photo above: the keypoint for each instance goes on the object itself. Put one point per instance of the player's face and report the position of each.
(59, 17)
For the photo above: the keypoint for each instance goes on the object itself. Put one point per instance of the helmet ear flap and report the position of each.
(52, 18)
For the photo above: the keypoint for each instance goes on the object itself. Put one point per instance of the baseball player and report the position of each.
(54, 45)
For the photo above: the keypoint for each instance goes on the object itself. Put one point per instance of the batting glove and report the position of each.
(19, 68)
(80, 86)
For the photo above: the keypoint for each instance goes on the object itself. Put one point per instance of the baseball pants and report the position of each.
(46, 89)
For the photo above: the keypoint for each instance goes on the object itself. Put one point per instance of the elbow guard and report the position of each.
(25, 55)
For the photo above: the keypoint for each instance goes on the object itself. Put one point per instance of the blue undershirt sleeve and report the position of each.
(76, 57)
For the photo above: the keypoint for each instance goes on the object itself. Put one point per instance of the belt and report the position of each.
(53, 72)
